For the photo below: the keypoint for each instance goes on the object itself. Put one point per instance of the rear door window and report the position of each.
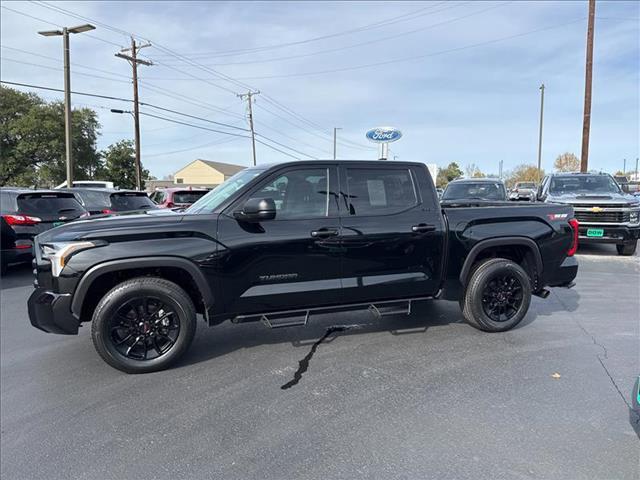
(379, 191)
(121, 202)
(49, 205)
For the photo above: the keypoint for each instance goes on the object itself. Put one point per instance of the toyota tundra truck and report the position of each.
(282, 243)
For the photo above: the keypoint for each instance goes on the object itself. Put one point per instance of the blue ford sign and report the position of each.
(384, 134)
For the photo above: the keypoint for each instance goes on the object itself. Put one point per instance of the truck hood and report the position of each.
(594, 199)
(113, 226)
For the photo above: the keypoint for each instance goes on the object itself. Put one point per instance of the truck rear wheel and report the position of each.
(143, 325)
(627, 249)
(497, 296)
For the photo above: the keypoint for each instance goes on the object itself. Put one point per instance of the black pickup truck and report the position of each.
(280, 243)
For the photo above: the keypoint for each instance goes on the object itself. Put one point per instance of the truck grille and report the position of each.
(602, 217)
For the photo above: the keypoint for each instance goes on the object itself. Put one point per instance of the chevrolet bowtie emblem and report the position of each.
(596, 209)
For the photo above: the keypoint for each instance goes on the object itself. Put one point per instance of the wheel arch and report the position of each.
(188, 272)
(485, 248)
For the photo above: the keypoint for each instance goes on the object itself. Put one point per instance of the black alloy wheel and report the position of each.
(144, 328)
(143, 325)
(502, 297)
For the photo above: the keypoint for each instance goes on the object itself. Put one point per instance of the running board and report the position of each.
(300, 318)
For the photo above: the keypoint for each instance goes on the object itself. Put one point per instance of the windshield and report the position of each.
(584, 184)
(474, 191)
(215, 197)
(529, 185)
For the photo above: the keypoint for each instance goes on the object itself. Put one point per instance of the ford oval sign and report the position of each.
(384, 134)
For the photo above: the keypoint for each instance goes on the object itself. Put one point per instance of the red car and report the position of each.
(177, 197)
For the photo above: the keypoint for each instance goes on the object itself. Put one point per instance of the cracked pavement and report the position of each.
(424, 396)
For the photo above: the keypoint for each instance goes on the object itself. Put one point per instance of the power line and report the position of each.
(209, 144)
(47, 67)
(276, 149)
(382, 23)
(125, 100)
(413, 57)
(192, 125)
(91, 35)
(285, 146)
(369, 42)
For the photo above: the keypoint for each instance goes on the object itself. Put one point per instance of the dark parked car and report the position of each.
(107, 200)
(482, 189)
(606, 214)
(177, 197)
(26, 213)
(339, 235)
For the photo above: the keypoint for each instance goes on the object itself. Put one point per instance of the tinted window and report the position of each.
(474, 191)
(45, 204)
(187, 196)
(583, 184)
(94, 200)
(299, 193)
(379, 191)
(121, 202)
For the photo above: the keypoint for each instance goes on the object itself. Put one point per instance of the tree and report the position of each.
(445, 175)
(33, 141)
(473, 171)
(524, 173)
(120, 165)
(567, 162)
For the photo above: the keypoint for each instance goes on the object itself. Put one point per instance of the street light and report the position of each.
(67, 89)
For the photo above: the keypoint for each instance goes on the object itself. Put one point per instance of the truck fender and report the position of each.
(133, 263)
(499, 242)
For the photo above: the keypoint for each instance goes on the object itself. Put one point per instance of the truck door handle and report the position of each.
(423, 227)
(324, 232)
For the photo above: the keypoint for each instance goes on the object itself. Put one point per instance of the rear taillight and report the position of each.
(21, 219)
(106, 210)
(170, 205)
(573, 223)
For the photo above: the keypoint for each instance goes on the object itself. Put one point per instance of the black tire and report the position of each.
(498, 285)
(627, 249)
(141, 315)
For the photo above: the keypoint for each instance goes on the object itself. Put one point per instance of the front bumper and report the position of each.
(565, 274)
(612, 234)
(51, 312)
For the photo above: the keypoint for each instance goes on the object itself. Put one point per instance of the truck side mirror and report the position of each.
(539, 193)
(257, 210)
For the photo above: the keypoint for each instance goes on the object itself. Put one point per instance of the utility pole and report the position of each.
(624, 167)
(249, 96)
(542, 87)
(586, 123)
(335, 135)
(637, 169)
(134, 61)
(67, 91)
(500, 169)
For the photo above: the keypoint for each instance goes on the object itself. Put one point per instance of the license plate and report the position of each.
(595, 232)
(57, 224)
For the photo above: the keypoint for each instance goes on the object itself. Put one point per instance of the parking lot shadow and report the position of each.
(226, 338)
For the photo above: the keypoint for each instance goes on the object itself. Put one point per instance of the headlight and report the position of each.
(634, 217)
(59, 253)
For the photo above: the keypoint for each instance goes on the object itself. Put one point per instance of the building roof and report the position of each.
(227, 169)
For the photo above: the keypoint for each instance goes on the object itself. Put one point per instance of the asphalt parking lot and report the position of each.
(406, 397)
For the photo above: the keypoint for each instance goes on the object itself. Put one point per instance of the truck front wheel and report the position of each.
(497, 296)
(143, 325)
(627, 249)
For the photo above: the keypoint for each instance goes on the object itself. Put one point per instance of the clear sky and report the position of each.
(460, 79)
